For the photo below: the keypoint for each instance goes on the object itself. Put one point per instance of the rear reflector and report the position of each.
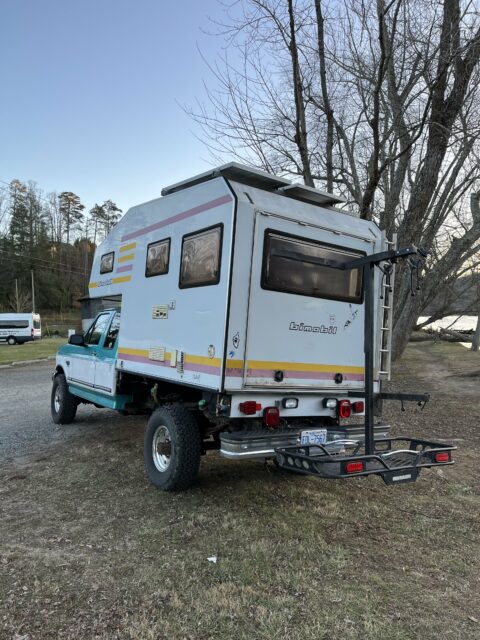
(353, 467)
(358, 407)
(271, 416)
(442, 456)
(344, 409)
(250, 407)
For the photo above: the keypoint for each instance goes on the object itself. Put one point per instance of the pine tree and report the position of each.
(71, 210)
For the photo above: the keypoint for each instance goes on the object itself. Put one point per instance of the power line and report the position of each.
(60, 266)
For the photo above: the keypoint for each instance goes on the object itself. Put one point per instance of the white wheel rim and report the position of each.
(57, 400)
(161, 448)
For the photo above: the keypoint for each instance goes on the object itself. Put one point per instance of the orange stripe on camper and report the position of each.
(126, 258)
(128, 247)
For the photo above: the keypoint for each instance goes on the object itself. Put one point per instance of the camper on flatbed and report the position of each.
(237, 325)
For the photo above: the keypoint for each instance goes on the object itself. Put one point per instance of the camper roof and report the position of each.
(261, 180)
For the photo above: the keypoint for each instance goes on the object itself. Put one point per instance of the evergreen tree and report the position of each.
(71, 210)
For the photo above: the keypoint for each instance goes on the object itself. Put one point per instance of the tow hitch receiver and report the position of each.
(396, 460)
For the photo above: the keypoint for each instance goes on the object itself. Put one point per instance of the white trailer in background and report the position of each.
(242, 323)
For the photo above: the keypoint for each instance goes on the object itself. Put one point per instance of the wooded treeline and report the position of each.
(53, 236)
(376, 100)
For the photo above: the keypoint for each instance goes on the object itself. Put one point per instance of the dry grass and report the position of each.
(89, 550)
(30, 350)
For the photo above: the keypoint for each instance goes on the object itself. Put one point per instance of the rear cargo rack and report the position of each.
(396, 460)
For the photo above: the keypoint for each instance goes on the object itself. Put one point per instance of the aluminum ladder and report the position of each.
(387, 292)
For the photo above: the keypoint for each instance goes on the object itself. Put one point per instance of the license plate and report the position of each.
(313, 436)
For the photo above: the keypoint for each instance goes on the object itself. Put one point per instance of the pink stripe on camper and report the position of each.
(179, 216)
(126, 267)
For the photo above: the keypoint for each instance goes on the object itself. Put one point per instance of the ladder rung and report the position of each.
(384, 306)
(385, 328)
(385, 350)
(383, 373)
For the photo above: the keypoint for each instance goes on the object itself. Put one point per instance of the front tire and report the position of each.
(63, 404)
(11, 341)
(172, 448)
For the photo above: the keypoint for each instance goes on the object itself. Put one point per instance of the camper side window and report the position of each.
(106, 262)
(201, 255)
(158, 257)
(294, 265)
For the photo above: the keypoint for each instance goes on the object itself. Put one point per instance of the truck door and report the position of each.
(305, 323)
(105, 373)
(83, 361)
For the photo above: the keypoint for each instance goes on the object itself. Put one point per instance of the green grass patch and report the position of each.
(30, 350)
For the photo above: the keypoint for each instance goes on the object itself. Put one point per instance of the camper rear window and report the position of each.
(106, 262)
(201, 253)
(289, 266)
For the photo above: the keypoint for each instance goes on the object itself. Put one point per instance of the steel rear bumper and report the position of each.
(264, 444)
(396, 460)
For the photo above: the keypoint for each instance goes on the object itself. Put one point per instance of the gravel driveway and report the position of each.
(26, 428)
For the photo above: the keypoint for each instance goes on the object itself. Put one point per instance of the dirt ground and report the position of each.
(88, 549)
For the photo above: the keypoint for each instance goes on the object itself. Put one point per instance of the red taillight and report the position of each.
(250, 407)
(353, 467)
(271, 416)
(358, 407)
(344, 409)
(442, 456)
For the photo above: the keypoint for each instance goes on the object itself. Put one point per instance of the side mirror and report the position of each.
(76, 339)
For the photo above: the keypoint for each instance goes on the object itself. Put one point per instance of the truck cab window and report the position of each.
(112, 334)
(200, 263)
(97, 329)
(294, 265)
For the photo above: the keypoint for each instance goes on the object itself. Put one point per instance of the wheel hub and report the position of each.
(57, 400)
(162, 448)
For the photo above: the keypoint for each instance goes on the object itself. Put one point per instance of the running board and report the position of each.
(396, 460)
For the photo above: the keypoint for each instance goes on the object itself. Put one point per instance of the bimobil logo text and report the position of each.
(312, 329)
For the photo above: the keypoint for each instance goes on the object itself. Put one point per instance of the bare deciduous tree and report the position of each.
(380, 99)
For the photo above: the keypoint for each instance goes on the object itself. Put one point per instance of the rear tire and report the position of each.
(11, 340)
(172, 448)
(63, 404)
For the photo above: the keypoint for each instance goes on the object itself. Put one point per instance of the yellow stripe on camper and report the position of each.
(128, 247)
(303, 366)
(235, 364)
(92, 285)
(203, 360)
(121, 279)
(135, 352)
(126, 258)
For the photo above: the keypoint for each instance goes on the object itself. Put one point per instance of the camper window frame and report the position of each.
(112, 253)
(150, 244)
(209, 283)
(327, 245)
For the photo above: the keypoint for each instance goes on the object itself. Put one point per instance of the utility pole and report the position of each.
(33, 292)
(16, 296)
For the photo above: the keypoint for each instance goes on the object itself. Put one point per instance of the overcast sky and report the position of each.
(90, 93)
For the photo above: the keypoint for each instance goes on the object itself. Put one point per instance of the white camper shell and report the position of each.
(228, 314)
